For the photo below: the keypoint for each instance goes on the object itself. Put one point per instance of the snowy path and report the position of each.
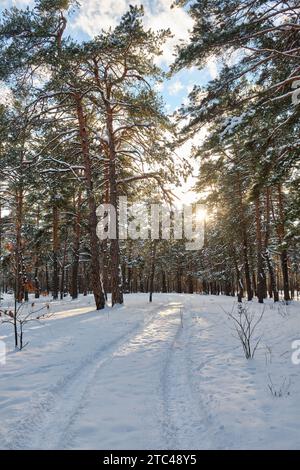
(47, 423)
(51, 413)
(182, 423)
(140, 376)
(132, 381)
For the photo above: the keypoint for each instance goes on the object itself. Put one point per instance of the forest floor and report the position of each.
(166, 375)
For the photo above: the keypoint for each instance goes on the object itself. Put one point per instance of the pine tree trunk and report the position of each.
(247, 268)
(37, 289)
(76, 247)
(129, 278)
(272, 277)
(283, 255)
(62, 283)
(19, 268)
(142, 286)
(115, 265)
(244, 241)
(285, 275)
(152, 270)
(94, 241)
(292, 287)
(75, 269)
(163, 282)
(55, 278)
(104, 243)
(261, 284)
(205, 286)
(85, 284)
(190, 286)
(274, 290)
(47, 279)
(178, 281)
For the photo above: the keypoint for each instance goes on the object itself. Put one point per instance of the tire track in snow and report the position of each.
(41, 427)
(182, 422)
(211, 432)
(147, 339)
(215, 434)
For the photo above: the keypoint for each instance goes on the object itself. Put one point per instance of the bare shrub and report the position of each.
(282, 309)
(19, 317)
(280, 390)
(245, 323)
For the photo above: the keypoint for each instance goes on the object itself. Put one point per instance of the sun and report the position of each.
(201, 213)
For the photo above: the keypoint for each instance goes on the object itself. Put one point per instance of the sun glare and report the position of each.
(201, 213)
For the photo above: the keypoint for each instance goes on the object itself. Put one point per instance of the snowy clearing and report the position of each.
(142, 376)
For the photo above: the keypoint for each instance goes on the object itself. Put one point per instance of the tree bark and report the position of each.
(178, 281)
(76, 247)
(47, 279)
(18, 249)
(62, 283)
(152, 270)
(274, 290)
(283, 255)
(163, 282)
(115, 267)
(261, 283)
(245, 242)
(55, 278)
(37, 289)
(94, 241)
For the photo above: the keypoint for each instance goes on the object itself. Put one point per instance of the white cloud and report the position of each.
(191, 69)
(41, 76)
(97, 14)
(16, 3)
(175, 87)
(5, 94)
(212, 67)
(234, 56)
(190, 87)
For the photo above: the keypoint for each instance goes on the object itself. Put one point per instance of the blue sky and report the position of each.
(97, 14)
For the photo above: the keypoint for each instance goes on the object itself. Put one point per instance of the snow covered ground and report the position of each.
(166, 375)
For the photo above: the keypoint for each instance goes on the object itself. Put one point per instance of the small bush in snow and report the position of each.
(245, 323)
(20, 315)
(281, 390)
(282, 309)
